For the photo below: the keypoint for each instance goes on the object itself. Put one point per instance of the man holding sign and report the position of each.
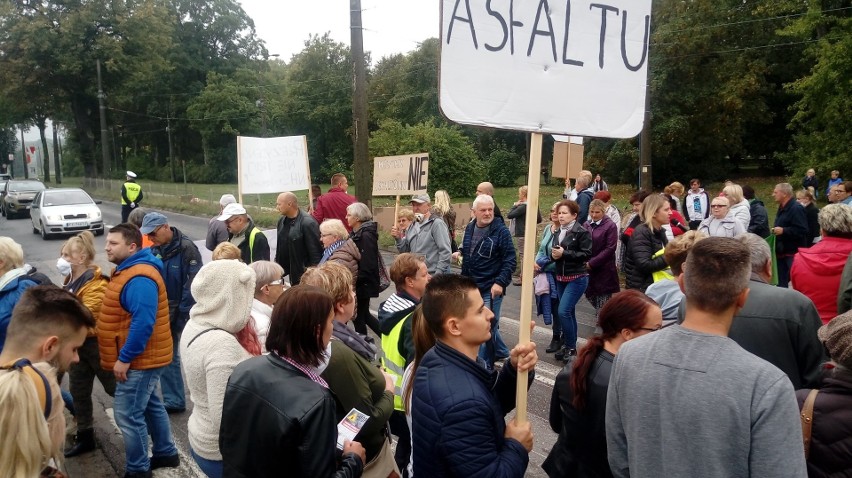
(458, 407)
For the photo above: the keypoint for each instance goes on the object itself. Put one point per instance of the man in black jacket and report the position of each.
(791, 229)
(759, 222)
(299, 245)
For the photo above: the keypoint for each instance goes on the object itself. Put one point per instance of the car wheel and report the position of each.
(3, 210)
(99, 232)
(44, 234)
(35, 231)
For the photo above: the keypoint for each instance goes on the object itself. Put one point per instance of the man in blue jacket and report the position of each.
(459, 407)
(488, 257)
(791, 230)
(181, 261)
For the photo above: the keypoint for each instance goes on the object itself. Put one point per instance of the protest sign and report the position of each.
(396, 175)
(567, 156)
(272, 165)
(558, 66)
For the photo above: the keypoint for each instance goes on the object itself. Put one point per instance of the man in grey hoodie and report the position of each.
(428, 237)
(689, 400)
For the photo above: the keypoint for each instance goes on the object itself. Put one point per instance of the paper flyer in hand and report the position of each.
(350, 426)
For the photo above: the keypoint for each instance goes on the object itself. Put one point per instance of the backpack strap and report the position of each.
(808, 420)
(200, 334)
(40, 382)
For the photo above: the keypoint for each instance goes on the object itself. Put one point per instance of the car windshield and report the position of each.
(25, 186)
(66, 198)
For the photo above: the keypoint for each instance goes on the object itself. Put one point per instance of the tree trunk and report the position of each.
(56, 169)
(45, 161)
(84, 134)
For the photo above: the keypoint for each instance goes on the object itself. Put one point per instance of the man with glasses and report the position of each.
(696, 205)
(689, 398)
(243, 234)
(721, 222)
(299, 245)
(181, 261)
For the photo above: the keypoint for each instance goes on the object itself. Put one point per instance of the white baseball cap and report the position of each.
(233, 209)
(131, 174)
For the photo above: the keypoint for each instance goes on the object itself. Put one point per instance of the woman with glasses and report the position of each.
(338, 247)
(268, 287)
(548, 304)
(721, 222)
(578, 403)
(210, 350)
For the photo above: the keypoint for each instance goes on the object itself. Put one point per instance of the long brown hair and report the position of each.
(424, 340)
(626, 310)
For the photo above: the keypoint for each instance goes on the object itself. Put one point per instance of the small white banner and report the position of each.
(273, 165)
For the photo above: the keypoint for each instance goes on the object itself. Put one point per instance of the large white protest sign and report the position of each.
(272, 165)
(558, 66)
(397, 175)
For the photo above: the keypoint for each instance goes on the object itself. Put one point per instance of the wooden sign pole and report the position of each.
(239, 170)
(527, 270)
(396, 210)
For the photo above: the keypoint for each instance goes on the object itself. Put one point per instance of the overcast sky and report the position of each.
(390, 26)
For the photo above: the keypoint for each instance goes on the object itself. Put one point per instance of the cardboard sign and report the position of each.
(546, 66)
(400, 175)
(272, 165)
(567, 156)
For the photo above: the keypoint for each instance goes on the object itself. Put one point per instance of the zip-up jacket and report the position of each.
(181, 261)
(492, 260)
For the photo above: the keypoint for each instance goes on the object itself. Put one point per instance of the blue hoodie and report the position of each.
(139, 297)
(9, 296)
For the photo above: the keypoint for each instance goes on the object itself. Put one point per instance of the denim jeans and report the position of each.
(211, 468)
(139, 412)
(495, 347)
(569, 295)
(174, 396)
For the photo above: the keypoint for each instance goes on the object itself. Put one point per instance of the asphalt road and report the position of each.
(109, 461)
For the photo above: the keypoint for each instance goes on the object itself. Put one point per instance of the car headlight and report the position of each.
(54, 218)
(95, 215)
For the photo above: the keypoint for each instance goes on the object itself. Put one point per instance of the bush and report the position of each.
(505, 167)
(453, 164)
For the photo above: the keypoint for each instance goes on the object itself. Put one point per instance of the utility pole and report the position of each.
(58, 172)
(645, 170)
(104, 139)
(360, 128)
(171, 151)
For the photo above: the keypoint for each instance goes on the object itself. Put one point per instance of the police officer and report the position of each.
(131, 195)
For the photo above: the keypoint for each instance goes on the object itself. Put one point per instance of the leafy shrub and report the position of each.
(504, 167)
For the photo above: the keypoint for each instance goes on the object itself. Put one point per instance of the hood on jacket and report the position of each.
(166, 251)
(223, 292)
(143, 256)
(368, 226)
(755, 201)
(744, 204)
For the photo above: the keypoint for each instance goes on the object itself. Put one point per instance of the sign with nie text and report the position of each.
(400, 175)
(546, 66)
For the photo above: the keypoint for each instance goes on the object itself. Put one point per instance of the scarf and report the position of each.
(11, 275)
(359, 344)
(563, 230)
(330, 250)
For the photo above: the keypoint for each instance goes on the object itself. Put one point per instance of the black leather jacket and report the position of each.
(277, 422)
(577, 249)
(639, 263)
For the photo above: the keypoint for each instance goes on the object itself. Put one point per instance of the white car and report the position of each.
(65, 211)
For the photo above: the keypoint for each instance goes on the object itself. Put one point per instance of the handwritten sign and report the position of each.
(272, 165)
(546, 66)
(400, 175)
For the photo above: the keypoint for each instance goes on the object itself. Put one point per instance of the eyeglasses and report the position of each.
(714, 206)
(154, 232)
(650, 329)
(276, 282)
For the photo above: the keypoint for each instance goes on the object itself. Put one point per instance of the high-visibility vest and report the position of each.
(664, 274)
(393, 362)
(133, 190)
(253, 233)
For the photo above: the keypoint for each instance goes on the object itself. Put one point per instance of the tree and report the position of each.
(453, 164)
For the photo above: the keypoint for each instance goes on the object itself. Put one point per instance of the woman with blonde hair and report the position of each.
(26, 399)
(739, 206)
(351, 374)
(85, 280)
(338, 246)
(444, 208)
(13, 281)
(643, 256)
(226, 250)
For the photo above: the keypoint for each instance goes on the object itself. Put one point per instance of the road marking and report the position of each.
(187, 467)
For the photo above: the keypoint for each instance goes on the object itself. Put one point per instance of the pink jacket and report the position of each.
(332, 205)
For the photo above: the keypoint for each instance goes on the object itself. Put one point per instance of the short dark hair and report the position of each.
(446, 296)
(130, 233)
(638, 196)
(571, 205)
(748, 191)
(47, 309)
(296, 324)
(717, 270)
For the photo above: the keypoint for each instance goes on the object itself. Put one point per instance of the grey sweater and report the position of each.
(687, 404)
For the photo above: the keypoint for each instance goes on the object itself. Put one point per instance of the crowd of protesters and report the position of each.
(700, 364)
